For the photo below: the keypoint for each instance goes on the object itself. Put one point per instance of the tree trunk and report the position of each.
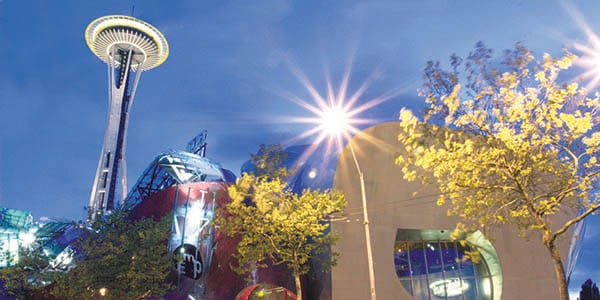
(559, 270)
(299, 287)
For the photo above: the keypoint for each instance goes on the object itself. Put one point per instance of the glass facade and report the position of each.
(431, 266)
(16, 226)
(14, 218)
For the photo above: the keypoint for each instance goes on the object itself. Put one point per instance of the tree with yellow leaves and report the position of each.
(274, 224)
(507, 144)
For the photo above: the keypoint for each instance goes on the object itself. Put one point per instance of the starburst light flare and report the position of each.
(589, 58)
(334, 114)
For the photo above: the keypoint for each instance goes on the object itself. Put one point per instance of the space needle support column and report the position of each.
(127, 100)
(128, 97)
(363, 197)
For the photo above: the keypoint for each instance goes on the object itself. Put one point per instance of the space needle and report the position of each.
(128, 46)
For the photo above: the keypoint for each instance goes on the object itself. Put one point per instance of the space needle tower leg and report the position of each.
(128, 46)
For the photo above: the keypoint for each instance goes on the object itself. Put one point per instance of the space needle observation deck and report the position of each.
(128, 46)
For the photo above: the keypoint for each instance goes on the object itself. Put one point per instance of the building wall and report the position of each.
(526, 267)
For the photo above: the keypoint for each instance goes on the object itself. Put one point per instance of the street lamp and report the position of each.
(335, 122)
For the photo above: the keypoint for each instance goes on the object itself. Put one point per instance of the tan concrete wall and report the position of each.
(526, 265)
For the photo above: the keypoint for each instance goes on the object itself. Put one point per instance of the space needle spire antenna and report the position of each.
(128, 46)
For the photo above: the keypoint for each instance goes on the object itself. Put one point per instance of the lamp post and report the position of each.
(363, 197)
(335, 123)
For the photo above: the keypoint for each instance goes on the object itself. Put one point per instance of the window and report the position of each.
(431, 266)
(104, 179)
(107, 160)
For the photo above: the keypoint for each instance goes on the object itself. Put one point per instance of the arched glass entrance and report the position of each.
(432, 266)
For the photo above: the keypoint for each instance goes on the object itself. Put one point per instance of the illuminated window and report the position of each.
(431, 266)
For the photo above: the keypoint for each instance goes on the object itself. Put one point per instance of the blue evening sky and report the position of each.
(230, 66)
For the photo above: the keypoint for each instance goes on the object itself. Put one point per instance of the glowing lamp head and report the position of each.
(334, 121)
(27, 239)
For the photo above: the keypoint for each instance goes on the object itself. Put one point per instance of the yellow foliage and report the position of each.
(515, 147)
(540, 76)
(275, 224)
